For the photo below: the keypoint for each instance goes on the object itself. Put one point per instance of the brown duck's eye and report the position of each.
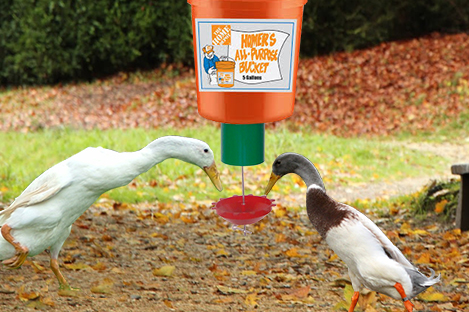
(206, 150)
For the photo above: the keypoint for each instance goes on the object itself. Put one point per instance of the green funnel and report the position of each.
(242, 145)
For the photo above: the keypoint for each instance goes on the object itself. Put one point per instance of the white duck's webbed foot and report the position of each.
(21, 252)
(236, 228)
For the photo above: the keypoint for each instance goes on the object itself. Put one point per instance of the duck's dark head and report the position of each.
(294, 163)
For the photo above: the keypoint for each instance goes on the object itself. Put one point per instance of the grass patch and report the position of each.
(340, 160)
(438, 198)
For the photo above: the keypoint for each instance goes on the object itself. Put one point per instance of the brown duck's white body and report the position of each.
(372, 259)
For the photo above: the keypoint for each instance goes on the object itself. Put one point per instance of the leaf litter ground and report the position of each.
(178, 257)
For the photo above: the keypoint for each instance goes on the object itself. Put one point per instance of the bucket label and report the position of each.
(243, 55)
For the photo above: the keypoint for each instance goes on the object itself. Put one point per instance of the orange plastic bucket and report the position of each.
(225, 73)
(263, 38)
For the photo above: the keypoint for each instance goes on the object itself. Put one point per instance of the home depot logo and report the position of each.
(221, 34)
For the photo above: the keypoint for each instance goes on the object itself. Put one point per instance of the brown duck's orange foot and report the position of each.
(355, 296)
(408, 305)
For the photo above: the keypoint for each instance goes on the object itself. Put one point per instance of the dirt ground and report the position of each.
(115, 251)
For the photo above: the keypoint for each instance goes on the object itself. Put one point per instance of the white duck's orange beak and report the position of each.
(273, 179)
(214, 175)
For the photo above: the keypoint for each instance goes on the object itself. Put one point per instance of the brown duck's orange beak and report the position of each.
(273, 179)
(214, 175)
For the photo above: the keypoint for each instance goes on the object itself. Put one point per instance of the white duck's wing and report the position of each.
(44, 187)
(391, 250)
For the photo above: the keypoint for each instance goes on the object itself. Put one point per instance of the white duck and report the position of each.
(372, 259)
(42, 216)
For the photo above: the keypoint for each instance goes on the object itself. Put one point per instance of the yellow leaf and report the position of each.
(105, 287)
(440, 206)
(280, 238)
(68, 293)
(292, 252)
(77, 266)
(168, 303)
(433, 297)
(424, 258)
(160, 218)
(228, 291)
(48, 301)
(420, 232)
(345, 304)
(25, 296)
(251, 299)
(405, 228)
(248, 273)
(224, 300)
(188, 219)
(99, 266)
(367, 301)
(166, 270)
(222, 253)
(280, 212)
(37, 267)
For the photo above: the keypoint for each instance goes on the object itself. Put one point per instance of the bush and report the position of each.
(47, 41)
(345, 25)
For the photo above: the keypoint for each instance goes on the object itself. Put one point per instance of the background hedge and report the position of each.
(47, 41)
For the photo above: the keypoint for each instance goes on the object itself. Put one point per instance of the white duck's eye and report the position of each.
(206, 150)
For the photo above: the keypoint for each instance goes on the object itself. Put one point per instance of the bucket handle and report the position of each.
(227, 58)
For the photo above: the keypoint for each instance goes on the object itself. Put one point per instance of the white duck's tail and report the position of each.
(420, 282)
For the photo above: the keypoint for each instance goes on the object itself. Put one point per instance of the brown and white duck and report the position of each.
(372, 259)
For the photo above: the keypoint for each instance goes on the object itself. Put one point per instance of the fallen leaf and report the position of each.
(25, 296)
(105, 287)
(440, 206)
(430, 296)
(228, 291)
(251, 299)
(166, 270)
(77, 266)
(168, 303)
(69, 293)
(248, 273)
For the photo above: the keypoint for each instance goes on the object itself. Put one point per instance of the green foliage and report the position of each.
(344, 25)
(440, 197)
(47, 41)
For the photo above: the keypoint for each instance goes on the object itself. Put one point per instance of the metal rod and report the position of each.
(242, 179)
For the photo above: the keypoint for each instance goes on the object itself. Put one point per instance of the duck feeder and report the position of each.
(246, 60)
(243, 211)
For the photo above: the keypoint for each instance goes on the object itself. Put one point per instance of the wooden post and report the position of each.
(462, 213)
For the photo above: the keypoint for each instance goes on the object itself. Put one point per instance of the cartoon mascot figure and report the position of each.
(209, 64)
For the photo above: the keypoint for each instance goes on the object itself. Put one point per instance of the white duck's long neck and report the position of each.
(159, 150)
(308, 172)
(132, 164)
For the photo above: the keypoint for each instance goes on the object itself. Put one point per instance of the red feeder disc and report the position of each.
(233, 210)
